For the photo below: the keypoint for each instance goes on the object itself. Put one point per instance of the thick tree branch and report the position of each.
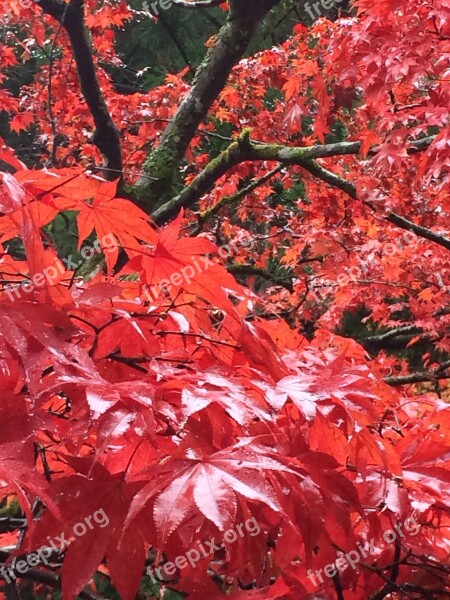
(54, 8)
(233, 155)
(106, 137)
(383, 337)
(285, 155)
(419, 230)
(162, 164)
(243, 149)
(396, 339)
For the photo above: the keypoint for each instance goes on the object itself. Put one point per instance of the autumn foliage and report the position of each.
(239, 392)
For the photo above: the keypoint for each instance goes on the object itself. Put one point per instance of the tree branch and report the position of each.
(236, 196)
(421, 377)
(233, 155)
(106, 137)
(250, 270)
(243, 149)
(161, 165)
(349, 188)
(11, 524)
(396, 339)
(404, 330)
(391, 584)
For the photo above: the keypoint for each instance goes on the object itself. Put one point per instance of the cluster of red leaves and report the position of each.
(183, 414)
(383, 76)
(180, 418)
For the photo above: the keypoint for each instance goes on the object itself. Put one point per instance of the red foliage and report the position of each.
(181, 412)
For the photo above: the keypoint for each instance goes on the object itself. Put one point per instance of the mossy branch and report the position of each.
(244, 149)
(162, 165)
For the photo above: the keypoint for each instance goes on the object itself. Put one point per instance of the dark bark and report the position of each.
(106, 136)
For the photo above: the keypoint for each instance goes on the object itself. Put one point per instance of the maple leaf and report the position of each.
(21, 121)
(213, 484)
(183, 257)
(101, 492)
(105, 215)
